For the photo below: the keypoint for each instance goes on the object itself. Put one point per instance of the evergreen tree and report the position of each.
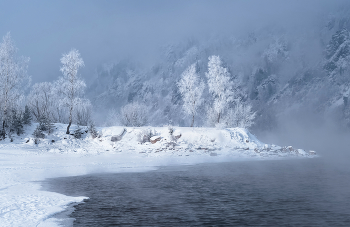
(43, 123)
(38, 134)
(16, 124)
(46, 124)
(27, 117)
(50, 126)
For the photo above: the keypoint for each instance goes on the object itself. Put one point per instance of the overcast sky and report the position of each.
(104, 30)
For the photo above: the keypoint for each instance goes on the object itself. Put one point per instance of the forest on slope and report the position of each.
(279, 71)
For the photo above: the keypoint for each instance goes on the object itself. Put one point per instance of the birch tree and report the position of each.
(191, 89)
(13, 75)
(71, 86)
(220, 86)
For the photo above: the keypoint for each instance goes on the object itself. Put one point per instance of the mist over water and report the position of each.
(327, 137)
(255, 193)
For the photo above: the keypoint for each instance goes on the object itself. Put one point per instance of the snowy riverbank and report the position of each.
(22, 162)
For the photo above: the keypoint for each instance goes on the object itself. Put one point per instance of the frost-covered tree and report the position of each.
(191, 89)
(220, 86)
(275, 53)
(134, 114)
(42, 101)
(338, 53)
(240, 116)
(83, 112)
(13, 76)
(71, 86)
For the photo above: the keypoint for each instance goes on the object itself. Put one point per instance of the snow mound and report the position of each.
(154, 141)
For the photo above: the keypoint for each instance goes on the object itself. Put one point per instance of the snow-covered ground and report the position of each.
(23, 163)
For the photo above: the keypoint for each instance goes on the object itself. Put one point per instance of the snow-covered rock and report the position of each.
(155, 139)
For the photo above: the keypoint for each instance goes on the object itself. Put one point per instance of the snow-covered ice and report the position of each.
(23, 163)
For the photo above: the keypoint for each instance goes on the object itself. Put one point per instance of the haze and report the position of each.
(105, 31)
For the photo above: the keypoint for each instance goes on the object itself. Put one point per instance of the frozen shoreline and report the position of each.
(22, 163)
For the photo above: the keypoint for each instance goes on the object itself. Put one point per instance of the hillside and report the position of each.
(278, 70)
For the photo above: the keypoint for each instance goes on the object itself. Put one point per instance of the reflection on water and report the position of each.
(300, 192)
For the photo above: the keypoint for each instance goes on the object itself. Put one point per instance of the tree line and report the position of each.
(63, 100)
(59, 101)
(228, 109)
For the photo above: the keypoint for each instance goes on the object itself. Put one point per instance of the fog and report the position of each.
(105, 31)
(327, 137)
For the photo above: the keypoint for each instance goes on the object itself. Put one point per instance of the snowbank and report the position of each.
(22, 162)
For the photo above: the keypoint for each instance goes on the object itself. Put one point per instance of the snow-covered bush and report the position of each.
(145, 135)
(134, 114)
(170, 130)
(92, 130)
(172, 137)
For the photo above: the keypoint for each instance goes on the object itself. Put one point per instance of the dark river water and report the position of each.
(297, 192)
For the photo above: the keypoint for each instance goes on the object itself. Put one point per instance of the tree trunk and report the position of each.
(219, 118)
(192, 121)
(70, 118)
(70, 122)
(2, 132)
